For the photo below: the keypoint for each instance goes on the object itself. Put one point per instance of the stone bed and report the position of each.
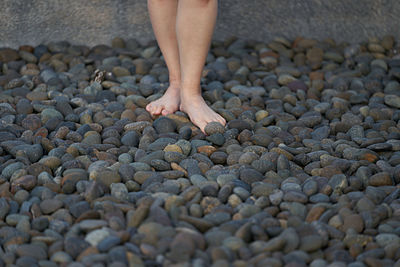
(305, 173)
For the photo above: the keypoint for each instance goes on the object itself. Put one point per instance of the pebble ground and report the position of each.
(305, 173)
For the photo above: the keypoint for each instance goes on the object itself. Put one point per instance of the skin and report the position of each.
(183, 29)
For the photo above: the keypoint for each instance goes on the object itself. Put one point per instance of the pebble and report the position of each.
(310, 243)
(387, 239)
(119, 191)
(105, 176)
(213, 128)
(320, 133)
(250, 176)
(273, 244)
(353, 221)
(4, 208)
(30, 250)
(275, 197)
(48, 206)
(233, 243)
(10, 169)
(74, 246)
(50, 113)
(108, 242)
(380, 179)
(61, 257)
(130, 139)
(96, 236)
(305, 172)
(164, 125)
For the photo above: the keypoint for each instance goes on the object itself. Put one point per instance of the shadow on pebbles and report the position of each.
(305, 173)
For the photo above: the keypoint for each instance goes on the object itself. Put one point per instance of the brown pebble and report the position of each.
(8, 54)
(372, 262)
(88, 251)
(355, 250)
(51, 162)
(37, 96)
(316, 75)
(369, 157)
(208, 150)
(62, 132)
(53, 187)
(380, 179)
(26, 182)
(315, 213)
(354, 221)
(5, 190)
(43, 132)
(47, 144)
(177, 167)
(32, 122)
(371, 245)
(330, 170)
(36, 168)
(209, 203)
(128, 114)
(26, 48)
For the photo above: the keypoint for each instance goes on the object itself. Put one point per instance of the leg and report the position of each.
(195, 25)
(163, 19)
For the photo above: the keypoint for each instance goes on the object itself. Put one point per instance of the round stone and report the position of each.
(164, 125)
(213, 128)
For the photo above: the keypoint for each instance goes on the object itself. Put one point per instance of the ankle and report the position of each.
(174, 89)
(191, 98)
(193, 87)
(175, 82)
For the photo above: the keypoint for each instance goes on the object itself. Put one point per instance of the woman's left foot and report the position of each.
(199, 112)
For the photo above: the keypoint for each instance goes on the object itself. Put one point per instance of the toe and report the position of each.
(216, 118)
(165, 112)
(202, 125)
(157, 110)
(149, 107)
(222, 121)
(169, 110)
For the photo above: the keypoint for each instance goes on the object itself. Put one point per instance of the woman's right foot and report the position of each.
(167, 104)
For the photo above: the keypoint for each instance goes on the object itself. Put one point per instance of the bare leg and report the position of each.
(195, 25)
(163, 19)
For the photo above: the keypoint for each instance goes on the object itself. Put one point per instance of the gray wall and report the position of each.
(98, 21)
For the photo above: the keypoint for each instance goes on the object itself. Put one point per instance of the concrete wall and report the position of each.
(98, 21)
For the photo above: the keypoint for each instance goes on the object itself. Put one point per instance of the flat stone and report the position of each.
(74, 246)
(354, 221)
(213, 128)
(27, 182)
(385, 239)
(273, 244)
(107, 243)
(105, 176)
(30, 250)
(164, 125)
(380, 179)
(310, 243)
(315, 213)
(89, 225)
(250, 176)
(96, 236)
(50, 205)
(392, 100)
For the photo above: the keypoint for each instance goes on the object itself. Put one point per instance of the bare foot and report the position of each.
(167, 104)
(199, 112)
